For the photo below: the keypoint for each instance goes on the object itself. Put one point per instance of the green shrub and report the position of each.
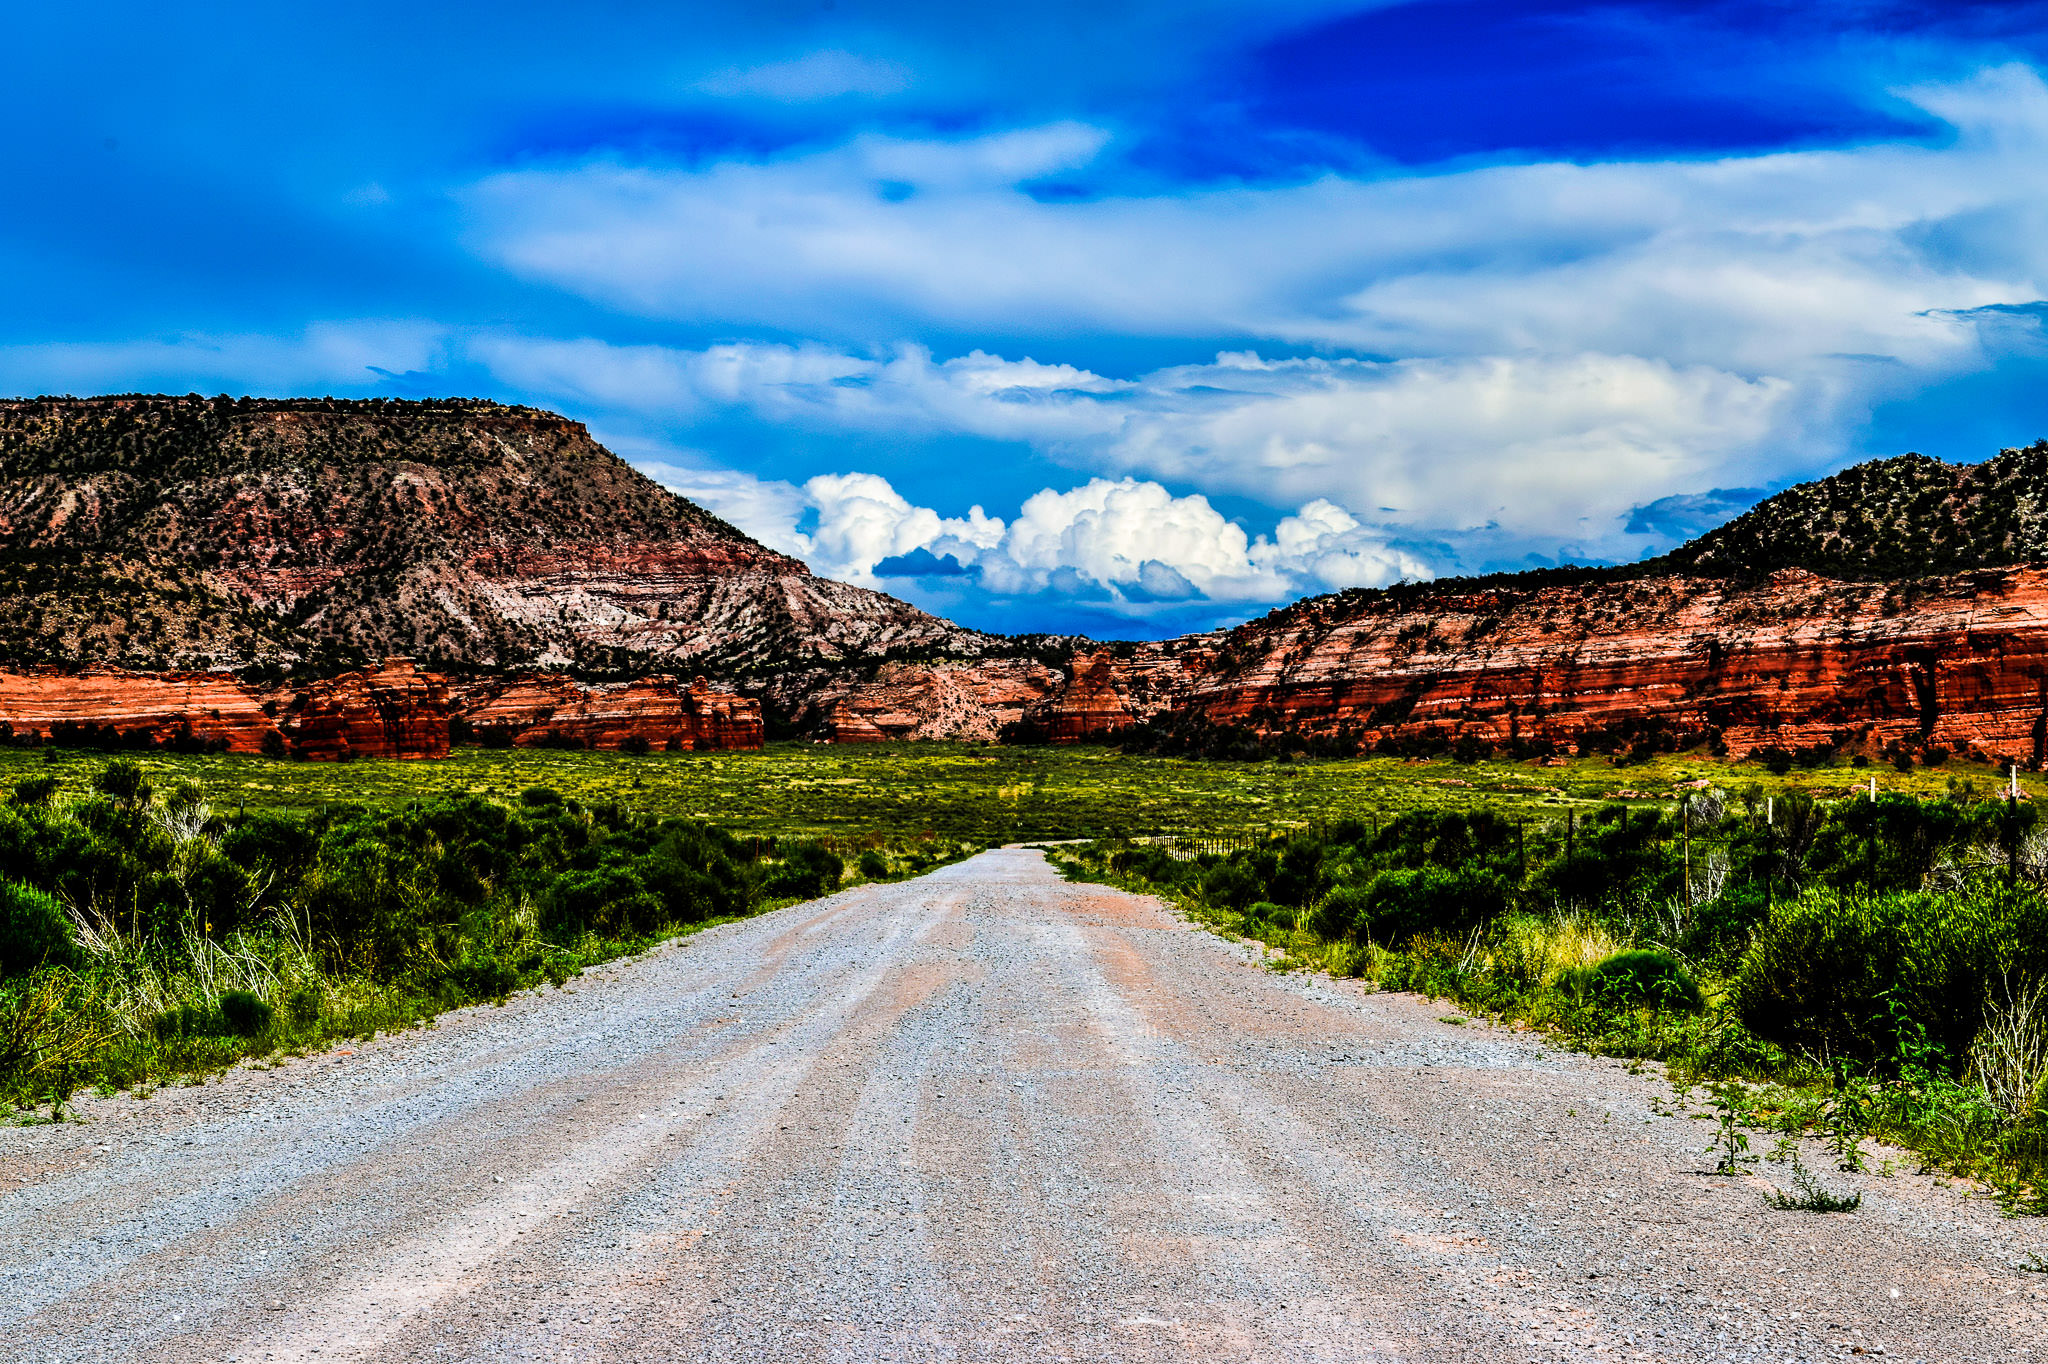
(1265, 911)
(35, 791)
(122, 780)
(1231, 885)
(1401, 903)
(807, 870)
(873, 865)
(484, 977)
(1642, 976)
(244, 1013)
(1338, 914)
(1867, 977)
(305, 1005)
(33, 931)
(603, 900)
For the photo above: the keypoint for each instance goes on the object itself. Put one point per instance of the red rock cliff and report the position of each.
(395, 711)
(533, 708)
(1960, 662)
(210, 708)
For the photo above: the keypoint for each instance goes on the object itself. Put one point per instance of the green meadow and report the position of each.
(984, 792)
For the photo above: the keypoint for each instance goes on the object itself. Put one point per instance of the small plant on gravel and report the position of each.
(1731, 1143)
(1810, 1195)
(1846, 1119)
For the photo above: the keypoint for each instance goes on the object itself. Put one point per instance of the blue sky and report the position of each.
(1051, 318)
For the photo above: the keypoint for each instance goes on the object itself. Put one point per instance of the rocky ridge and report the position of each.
(1792, 661)
(166, 534)
(1897, 605)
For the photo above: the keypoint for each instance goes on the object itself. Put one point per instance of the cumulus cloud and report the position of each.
(1122, 541)
(1523, 448)
(1527, 450)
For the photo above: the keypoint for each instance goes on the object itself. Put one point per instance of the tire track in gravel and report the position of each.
(984, 1115)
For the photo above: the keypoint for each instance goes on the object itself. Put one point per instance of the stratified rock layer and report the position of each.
(1795, 660)
(392, 711)
(966, 701)
(211, 709)
(544, 708)
(395, 711)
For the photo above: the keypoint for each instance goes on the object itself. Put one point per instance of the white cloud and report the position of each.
(1551, 344)
(1133, 541)
(1531, 451)
(1748, 263)
(1529, 448)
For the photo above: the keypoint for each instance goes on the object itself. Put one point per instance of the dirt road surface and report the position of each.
(982, 1115)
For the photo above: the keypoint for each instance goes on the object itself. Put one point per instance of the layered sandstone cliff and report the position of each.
(208, 709)
(1792, 661)
(971, 701)
(548, 708)
(395, 710)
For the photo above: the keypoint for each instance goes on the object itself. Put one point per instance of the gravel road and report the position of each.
(980, 1115)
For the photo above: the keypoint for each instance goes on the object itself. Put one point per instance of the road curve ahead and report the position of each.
(981, 1115)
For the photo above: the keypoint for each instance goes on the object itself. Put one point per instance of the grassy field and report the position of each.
(983, 791)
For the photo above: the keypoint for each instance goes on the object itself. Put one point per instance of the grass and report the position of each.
(121, 1022)
(981, 791)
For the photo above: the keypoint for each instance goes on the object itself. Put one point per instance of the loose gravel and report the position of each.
(982, 1115)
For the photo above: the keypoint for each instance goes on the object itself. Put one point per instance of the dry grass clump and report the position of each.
(2009, 1059)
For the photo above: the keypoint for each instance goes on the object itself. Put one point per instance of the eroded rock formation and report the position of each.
(209, 709)
(396, 710)
(971, 701)
(543, 708)
(1792, 661)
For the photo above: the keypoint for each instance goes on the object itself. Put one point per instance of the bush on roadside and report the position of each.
(1639, 976)
(1873, 977)
(244, 1012)
(34, 931)
(807, 870)
(1400, 904)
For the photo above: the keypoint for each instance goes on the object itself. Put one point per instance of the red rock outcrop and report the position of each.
(394, 711)
(206, 708)
(967, 701)
(537, 708)
(846, 725)
(1960, 662)
(1095, 701)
